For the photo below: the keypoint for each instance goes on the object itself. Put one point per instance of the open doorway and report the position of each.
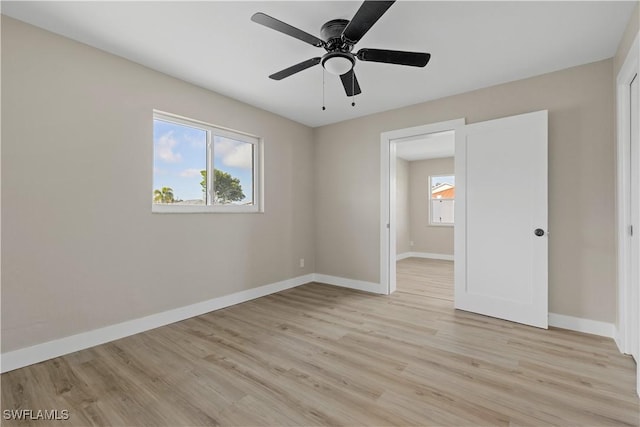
(389, 223)
(425, 211)
(495, 260)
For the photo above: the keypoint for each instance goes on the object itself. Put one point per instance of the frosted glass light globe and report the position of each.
(337, 65)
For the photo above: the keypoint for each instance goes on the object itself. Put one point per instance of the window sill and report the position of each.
(158, 208)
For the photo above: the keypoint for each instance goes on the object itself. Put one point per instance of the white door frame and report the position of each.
(629, 69)
(625, 76)
(388, 194)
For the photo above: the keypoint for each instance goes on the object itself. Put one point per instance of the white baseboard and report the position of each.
(445, 257)
(578, 324)
(28, 356)
(350, 283)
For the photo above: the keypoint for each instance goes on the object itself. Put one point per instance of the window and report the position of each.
(199, 167)
(441, 199)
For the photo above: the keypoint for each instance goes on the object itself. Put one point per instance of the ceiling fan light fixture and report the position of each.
(338, 37)
(337, 63)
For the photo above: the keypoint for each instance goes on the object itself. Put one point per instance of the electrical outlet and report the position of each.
(301, 262)
(411, 243)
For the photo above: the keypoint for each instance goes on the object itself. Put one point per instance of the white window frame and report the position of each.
(431, 199)
(213, 130)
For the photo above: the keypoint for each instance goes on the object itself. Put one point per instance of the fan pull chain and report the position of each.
(323, 107)
(353, 87)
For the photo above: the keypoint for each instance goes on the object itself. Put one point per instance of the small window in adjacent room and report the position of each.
(198, 167)
(441, 199)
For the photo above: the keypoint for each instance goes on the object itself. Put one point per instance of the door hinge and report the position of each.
(631, 230)
(388, 225)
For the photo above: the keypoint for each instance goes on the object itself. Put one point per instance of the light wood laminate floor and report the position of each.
(322, 355)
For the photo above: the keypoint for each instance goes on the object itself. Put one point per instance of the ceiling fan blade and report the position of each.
(285, 28)
(350, 83)
(363, 20)
(295, 69)
(414, 59)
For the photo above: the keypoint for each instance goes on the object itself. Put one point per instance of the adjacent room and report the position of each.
(424, 204)
(320, 213)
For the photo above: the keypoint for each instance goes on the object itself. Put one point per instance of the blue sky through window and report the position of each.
(236, 159)
(449, 179)
(180, 153)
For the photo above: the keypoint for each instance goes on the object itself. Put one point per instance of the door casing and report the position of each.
(626, 304)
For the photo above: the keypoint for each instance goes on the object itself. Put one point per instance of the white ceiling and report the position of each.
(216, 46)
(429, 146)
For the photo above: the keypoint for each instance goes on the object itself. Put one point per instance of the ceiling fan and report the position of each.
(338, 38)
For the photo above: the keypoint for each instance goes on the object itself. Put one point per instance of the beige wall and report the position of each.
(581, 181)
(403, 234)
(81, 248)
(432, 239)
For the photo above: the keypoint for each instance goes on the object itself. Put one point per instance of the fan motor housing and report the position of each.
(331, 33)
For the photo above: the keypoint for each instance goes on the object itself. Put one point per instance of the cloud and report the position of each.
(196, 141)
(234, 154)
(165, 145)
(190, 173)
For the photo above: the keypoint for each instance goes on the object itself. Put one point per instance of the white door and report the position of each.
(501, 265)
(634, 197)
